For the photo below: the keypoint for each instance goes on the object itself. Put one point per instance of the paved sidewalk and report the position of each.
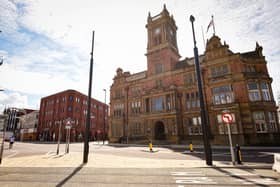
(97, 160)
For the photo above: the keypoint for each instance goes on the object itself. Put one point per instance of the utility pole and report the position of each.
(204, 121)
(86, 140)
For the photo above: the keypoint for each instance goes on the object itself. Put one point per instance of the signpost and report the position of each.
(58, 138)
(68, 128)
(227, 118)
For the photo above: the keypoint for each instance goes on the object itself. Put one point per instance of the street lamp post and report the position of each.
(86, 140)
(104, 114)
(127, 129)
(3, 137)
(2, 60)
(204, 121)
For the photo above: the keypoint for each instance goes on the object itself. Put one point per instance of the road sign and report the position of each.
(227, 118)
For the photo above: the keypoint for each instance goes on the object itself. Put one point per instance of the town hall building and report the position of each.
(162, 104)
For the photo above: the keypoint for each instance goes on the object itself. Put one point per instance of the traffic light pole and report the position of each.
(204, 121)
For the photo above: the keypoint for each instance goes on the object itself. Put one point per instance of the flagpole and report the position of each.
(213, 24)
(203, 37)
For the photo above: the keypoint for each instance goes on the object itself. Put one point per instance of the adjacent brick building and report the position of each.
(14, 125)
(70, 104)
(29, 124)
(162, 102)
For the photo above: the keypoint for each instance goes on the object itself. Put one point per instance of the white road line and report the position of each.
(13, 154)
(194, 180)
(189, 173)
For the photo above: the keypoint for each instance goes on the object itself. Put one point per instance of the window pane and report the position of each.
(219, 118)
(194, 121)
(252, 86)
(264, 85)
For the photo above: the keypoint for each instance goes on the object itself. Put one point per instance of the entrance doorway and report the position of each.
(159, 131)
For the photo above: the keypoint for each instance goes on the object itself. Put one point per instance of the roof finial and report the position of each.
(259, 49)
(149, 17)
(164, 6)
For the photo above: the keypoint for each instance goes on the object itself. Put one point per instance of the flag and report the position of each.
(211, 24)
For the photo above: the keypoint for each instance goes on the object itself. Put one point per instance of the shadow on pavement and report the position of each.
(70, 176)
(246, 179)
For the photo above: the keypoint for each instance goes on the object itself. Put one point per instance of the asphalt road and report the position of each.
(259, 155)
(120, 177)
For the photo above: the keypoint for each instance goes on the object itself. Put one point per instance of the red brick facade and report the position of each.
(162, 103)
(56, 108)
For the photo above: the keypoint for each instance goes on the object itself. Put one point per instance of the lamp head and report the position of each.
(192, 18)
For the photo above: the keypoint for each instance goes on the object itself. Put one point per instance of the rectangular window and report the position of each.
(265, 91)
(195, 126)
(136, 91)
(192, 100)
(158, 104)
(272, 125)
(222, 95)
(71, 98)
(158, 83)
(168, 102)
(118, 94)
(159, 68)
(118, 110)
(135, 107)
(147, 105)
(259, 120)
(250, 68)
(253, 90)
(219, 70)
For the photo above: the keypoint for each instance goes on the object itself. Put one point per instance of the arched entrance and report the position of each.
(159, 131)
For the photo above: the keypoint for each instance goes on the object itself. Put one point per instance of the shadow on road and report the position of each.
(70, 176)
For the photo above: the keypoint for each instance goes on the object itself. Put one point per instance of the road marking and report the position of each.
(262, 181)
(190, 173)
(194, 180)
(13, 154)
(191, 177)
(238, 172)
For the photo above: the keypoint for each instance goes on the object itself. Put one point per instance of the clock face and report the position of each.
(157, 31)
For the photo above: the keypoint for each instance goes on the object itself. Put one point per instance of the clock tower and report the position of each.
(162, 51)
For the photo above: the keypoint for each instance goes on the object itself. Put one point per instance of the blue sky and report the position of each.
(46, 44)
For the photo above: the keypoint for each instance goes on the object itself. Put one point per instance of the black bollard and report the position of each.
(238, 154)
